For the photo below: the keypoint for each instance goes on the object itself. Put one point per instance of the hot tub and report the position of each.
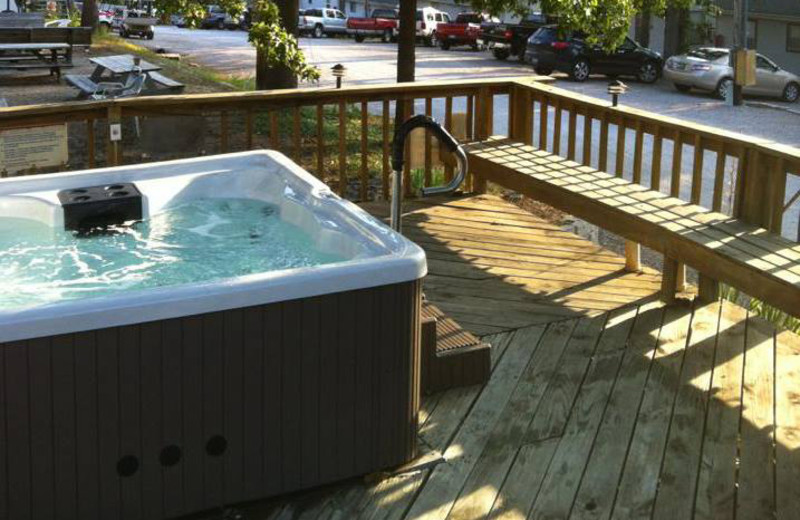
(174, 383)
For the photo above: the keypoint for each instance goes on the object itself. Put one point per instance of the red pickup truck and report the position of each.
(464, 31)
(382, 24)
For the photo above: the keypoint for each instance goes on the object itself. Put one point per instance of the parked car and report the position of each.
(382, 24)
(428, 21)
(319, 22)
(466, 30)
(709, 68)
(506, 40)
(218, 18)
(177, 20)
(548, 51)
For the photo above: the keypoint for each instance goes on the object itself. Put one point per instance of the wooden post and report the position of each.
(633, 256)
(223, 131)
(342, 149)
(385, 138)
(320, 141)
(90, 142)
(669, 279)
(707, 289)
(114, 147)
(522, 116)
(484, 128)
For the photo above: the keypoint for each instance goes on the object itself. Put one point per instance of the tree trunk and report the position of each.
(643, 28)
(675, 30)
(406, 59)
(278, 77)
(89, 14)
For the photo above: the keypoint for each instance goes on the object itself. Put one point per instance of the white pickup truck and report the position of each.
(319, 22)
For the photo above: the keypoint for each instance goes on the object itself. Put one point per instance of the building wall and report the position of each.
(770, 40)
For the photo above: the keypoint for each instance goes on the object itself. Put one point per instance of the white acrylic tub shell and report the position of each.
(375, 254)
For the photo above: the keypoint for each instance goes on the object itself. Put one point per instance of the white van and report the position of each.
(428, 20)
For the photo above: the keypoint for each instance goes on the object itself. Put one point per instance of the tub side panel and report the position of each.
(233, 344)
(3, 430)
(193, 445)
(252, 405)
(172, 375)
(168, 418)
(16, 378)
(86, 424)
(41, 421)
(152, 402)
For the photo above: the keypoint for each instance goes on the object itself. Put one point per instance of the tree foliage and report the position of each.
(278, 47)
(605, 22)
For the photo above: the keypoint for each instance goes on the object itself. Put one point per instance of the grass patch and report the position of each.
(775, 316)
(198, 79)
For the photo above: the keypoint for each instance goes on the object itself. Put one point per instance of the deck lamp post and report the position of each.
(616, 88)
(339, 71)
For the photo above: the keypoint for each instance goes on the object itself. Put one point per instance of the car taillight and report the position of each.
(508, 35)
(559, 46)
(698, 66)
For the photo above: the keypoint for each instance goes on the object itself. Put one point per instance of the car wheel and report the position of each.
(682, 88)
(221, 25)
(433, 41)
(387, 36)
(359, 38)
(791, 93)
(648, 72)
(318, 32)
(150, 35)
(445, 46)
(543, 71)
(500, 54)
(724, 85)
(580, 71)
(475, 47)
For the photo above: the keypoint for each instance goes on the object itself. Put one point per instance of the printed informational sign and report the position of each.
(23, 149)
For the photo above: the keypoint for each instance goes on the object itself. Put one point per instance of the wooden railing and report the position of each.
(343, 136)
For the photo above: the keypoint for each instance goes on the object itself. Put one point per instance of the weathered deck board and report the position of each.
(494, 266)
(603, 402)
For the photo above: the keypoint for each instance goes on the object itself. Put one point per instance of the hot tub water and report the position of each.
(199, 241)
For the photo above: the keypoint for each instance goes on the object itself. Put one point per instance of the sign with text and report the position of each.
(23, 149)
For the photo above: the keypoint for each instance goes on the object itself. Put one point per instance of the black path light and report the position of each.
(616, 88)
(339, 71)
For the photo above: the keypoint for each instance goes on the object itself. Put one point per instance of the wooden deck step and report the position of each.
(451, 356)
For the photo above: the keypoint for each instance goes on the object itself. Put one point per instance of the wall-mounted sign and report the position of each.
(27, 149)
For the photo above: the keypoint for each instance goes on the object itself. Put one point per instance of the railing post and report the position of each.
(483, 129)
(521, 115)
(114, 136)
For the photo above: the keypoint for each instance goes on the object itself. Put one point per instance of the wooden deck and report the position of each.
(603, 403)
(495, 267)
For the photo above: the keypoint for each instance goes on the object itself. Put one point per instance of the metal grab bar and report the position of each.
(398, 149)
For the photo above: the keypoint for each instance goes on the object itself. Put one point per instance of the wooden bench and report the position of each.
(722, 248)
(82, 82)
(164, 81)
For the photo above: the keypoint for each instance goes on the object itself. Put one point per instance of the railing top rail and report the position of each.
(302, 96)
(709, 132)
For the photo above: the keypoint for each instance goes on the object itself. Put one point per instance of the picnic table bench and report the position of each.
(22, 56)
(118, 69)
(722, 248)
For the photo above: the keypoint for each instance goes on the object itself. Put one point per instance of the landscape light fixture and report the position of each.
(616, 88)
(339, 71)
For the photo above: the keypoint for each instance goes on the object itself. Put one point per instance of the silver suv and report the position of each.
(708, 68)
(319, 22)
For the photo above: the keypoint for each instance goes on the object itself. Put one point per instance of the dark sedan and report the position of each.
(547, 51)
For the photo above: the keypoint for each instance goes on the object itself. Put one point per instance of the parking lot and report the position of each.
(374, 62)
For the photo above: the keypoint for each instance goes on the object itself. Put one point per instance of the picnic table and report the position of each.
(21, 56)
(119, 69)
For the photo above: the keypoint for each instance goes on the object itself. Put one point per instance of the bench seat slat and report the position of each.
(760, 263)
(81, 82)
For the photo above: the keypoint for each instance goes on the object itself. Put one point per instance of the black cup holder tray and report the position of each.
(94, 207)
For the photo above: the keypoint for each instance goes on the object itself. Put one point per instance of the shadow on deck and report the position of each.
(603, 403)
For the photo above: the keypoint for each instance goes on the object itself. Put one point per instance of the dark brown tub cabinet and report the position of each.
(170, 417)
